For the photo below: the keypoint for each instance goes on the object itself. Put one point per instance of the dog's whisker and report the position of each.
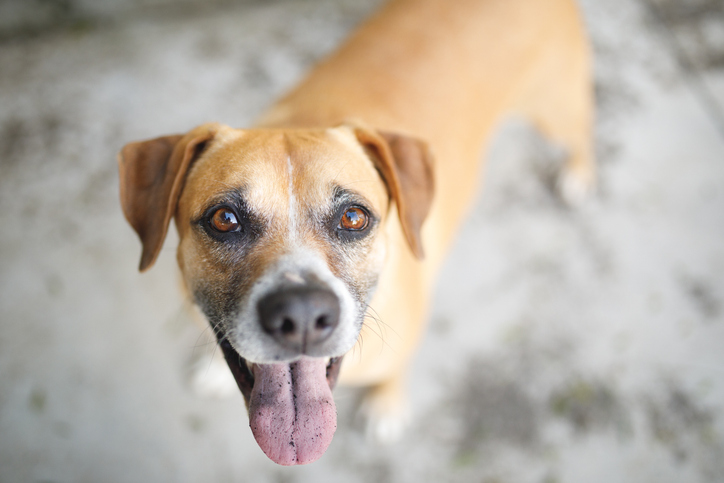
(218, 344)
(370, 329)
(379, 320)
(197, 344)
(380, 335)
(360, 343)
(205, 332)
(213, 326)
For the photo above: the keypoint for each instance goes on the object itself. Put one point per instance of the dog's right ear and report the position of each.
(406, 166)
(152, 174)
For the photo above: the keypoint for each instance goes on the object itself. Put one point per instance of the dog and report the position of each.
(342, 200)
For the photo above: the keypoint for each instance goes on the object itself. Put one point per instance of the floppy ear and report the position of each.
(152, 174)
(406, 166)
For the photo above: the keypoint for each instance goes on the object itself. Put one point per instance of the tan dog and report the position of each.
(291, 231)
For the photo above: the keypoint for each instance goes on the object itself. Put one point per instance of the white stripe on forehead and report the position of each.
(292, 201)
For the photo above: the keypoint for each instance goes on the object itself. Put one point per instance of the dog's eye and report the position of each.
(353, 219)
(224, 220)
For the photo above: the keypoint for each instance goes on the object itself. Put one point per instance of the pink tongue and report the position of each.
(291, 411)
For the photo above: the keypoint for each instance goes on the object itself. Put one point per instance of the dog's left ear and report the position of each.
(152, 174)
(406, 166)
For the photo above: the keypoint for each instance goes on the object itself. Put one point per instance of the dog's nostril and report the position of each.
(287, 326)
(322, 323)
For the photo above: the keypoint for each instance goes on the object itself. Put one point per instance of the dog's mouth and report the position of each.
(291, 410)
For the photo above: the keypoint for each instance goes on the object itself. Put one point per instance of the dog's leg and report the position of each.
(557, 96)
(385, 410)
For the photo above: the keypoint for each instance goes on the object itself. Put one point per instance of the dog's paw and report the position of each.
(209, 376)
(386, 428)
(385, 414)
(575, 185)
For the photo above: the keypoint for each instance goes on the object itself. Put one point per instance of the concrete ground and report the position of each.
(565, 345)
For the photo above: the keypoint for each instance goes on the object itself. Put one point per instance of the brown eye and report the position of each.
(353, 219)
(224, 220)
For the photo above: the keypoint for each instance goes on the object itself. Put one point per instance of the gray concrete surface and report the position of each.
(580, 345)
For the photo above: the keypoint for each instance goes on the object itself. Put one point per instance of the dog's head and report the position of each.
(283, 235)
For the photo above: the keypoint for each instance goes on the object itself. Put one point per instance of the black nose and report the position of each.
(299, 318)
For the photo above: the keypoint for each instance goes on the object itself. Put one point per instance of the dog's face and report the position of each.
(283, 235)
(282, 240)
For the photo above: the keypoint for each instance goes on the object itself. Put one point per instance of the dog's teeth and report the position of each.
(250, 366)
(327, 360)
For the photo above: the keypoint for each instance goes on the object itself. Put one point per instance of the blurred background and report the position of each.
(565, 345)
